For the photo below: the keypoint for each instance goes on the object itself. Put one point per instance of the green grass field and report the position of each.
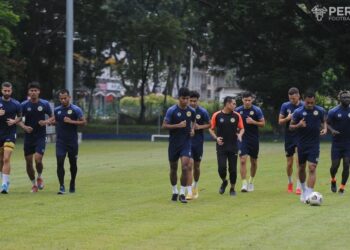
(123, 202)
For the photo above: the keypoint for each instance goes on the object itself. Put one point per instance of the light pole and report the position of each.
(69, 45)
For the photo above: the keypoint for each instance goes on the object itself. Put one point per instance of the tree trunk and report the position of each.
(90, 105)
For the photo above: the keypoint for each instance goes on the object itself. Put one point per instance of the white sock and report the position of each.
(303, 187)
(298, 183)
(175, 191)
(195, 184)
(251, 180)
(39, 175)
(189, 190)
(0, 174)
(5, 179)
(33, 182)
(182, 190)
(290, 179)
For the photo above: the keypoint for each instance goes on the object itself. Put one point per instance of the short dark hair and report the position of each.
(343, 92)
(33, 85)
(63, 91)
(309, 95)
(293, 91)
(247, 94)
(184, 92)
(6, 85)
(194, 94)
(228, 99)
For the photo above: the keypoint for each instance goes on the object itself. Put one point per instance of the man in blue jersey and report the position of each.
(37, 113)
(290, 137)
(253, 118)
(179, 119)
(339, 124)
(202, 122)
(310, 122)
(67, 118)
(10, 115)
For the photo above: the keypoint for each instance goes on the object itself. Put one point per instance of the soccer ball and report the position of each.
(315, 199)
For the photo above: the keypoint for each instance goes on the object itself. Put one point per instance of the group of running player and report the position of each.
(236, 132)
(33, 115)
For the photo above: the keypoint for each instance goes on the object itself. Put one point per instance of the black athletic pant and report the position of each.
(223, 157)
(73, 168)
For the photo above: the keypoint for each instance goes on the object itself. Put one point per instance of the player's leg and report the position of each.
(73, 158)
(222, 169)
(302, 158)
(298, 189)
(6, 168)
(173, 157)
(61, 152)
(1, 159)
(30, 171)
(289, 171)
(232, 169)
(185, 165)
(253, 152)
(345, 174)
(38, 157)
(243, 171)
(336, 158)
(311, 177)
(196, 175)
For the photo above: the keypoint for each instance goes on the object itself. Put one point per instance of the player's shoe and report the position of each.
(4, 188)
(333, 186)
(298, 191)
(182, 198)
(290, 188)
(232, 192)
(71, 188)
(34, 189)
(174, 197)
(195, 193)
(62, 190)
(341, 191)
(223, 187)
(40, 183)
(189, 197)
(244, 188)
(250, 187)
(303, 197)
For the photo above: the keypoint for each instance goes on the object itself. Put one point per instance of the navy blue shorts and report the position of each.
(7, 138)
(250, 148)
(310, 154)
(177, 151)
(290, 145)
(63, 149)
(340, 151)
(197, 152)
(32, 146)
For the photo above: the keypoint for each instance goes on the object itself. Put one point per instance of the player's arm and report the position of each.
(26, 128)
(48, 121)
(240, 128)
(166, 125)
(80, 122)
(294, 125)
(284, 119)
(219, 140)
(260, 123)
(204, 126)
(18, 118)
(324, 126)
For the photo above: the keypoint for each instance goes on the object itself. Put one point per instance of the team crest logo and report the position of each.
(188, 113)
(241, 112)
(349, 115)
(69, 112)
(179, 114)
(232, 120)
(29, 109)
(59, 112)
(40, 108)
(198, 116)
(0, 105)
(304, 113)
(315, 112)
(339, 115)
(251, 112)
(221, 120)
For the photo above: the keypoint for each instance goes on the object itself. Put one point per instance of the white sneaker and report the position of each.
(304, 197)
(244, 188)
(250, 187)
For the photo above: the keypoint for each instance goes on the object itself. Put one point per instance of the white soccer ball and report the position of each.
(315, 199)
